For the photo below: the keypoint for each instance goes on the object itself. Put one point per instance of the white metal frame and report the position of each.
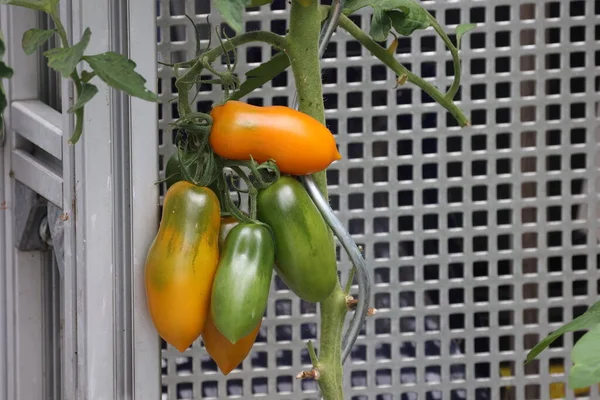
(105, 185)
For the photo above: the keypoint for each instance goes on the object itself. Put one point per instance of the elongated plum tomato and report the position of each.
(241, 286)
(304, 249)
(298, 143)
(182, 262)
(226, 354)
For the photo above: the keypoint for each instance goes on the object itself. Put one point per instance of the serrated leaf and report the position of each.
(408, 18)
(588, 320)
(64, 60)
(461, 30)
(262, 74)
(34, 38)
(586, 357)
(232, 12)
(5, 71)
(119, 72)
(88, 91)
(38, 5)
(381, 24)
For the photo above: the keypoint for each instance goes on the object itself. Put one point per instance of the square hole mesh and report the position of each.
(480, 241)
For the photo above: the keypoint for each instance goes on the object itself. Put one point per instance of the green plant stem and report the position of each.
(303, 39)
(333, 314)
(185, 83)
(455, 58)
(79, 114)
(389, 60)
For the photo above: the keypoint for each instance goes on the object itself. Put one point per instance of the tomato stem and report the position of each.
(303, 39)
(303, 51)
(185, 83)
(389, 60)
(62, 34)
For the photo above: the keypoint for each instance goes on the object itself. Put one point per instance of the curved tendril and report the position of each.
(252, 192)
(235, 186)
(229, 204)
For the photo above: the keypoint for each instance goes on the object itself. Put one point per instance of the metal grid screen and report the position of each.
(480, 240)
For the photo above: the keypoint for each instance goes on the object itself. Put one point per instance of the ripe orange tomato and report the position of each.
(298, 143)
(182, 262)
(222, 351)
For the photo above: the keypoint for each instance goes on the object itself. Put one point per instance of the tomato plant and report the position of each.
(210, 265)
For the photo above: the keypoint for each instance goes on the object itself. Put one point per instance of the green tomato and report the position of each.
(173, 169)
(241, 287)
(305, 254)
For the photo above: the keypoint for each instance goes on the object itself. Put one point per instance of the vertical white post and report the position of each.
(21, 338)
(110, 177)
(144, 196)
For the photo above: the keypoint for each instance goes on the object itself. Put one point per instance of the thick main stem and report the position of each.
(303, 51)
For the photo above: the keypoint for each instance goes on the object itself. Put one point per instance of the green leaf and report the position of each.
(38, 5)
(5, 71)
(381, 24)
(87, 76)
(262, 74)
(119, 72)
(408, 18)
(461, 30)
(88, 91)
(34, 38)
(2, 46)
(258, 3)
(587, 320)
(406, 6)
(586, 357)
(64, 60)
(405, 16)
(232, 12)
(352, 6)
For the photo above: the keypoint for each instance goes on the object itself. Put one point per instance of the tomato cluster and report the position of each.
(209, 274)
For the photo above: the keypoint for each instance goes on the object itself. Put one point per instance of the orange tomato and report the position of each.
(181, 263)
(298, 143)
(222, 351)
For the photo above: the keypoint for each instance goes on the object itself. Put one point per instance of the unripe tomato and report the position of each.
(241, 286)
(181, 263)
(226, 354)
(298, 143)
(304, 249)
